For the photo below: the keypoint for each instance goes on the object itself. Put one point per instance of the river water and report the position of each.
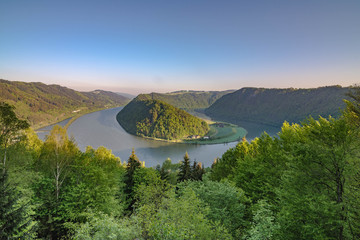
(101, 129)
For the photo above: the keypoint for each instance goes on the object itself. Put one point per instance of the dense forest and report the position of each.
(274, 106)
(301, 184)
(187, 100)
(43, 104)
(157, 119)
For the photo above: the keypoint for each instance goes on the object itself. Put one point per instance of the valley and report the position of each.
(92, 161)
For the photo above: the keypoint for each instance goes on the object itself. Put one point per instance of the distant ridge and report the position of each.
(127, 95)
(43, 104)
(187, 99)
(274, 106)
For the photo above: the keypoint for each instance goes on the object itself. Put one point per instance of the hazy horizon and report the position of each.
(162, 46)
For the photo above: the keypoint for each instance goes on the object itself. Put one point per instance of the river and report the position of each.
(101, 129)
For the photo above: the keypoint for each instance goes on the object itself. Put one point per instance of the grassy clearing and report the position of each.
(221, 133)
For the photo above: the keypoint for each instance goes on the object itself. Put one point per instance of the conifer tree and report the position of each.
(185, 169)
(197, 171)
(164, 175)
(132, 164)
(12, 216)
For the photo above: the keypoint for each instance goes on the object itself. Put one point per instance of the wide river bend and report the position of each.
(101, 129)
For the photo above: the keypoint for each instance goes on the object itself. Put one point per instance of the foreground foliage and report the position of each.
(308, 178)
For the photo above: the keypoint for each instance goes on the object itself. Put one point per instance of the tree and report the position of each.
(93, 184)
(319, 192)
(352, 111)
(104, 227)
(55, 165)
(263, 226)
(226, 165)
(259, 168)
(132, 165)
(185, 169)
(197, 171)
(57, 155)
(169, 171)
(13, 219)
(179, 217)
(226, 202)
(10, 126)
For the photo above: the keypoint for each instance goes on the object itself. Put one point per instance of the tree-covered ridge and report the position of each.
(157, 119)
(274, 106)
(42, 104)
(188, 100)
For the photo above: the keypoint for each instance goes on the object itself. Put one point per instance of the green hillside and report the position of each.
(157, 119)
(274, 106)
(187, 100)
(43, 104)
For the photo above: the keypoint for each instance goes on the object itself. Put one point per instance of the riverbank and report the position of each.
(65, 122)
(220, 132)
(70, 115)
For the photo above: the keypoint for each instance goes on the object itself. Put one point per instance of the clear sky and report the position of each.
(141, 46)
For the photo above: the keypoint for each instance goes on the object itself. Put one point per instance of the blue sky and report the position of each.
(142, 46)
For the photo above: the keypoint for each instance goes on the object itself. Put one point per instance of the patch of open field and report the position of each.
(221, 133)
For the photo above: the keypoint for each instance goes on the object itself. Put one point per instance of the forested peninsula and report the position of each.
(157, 119)
(43, 104)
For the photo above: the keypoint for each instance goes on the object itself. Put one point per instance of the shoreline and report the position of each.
(72, 118)
(239, 135)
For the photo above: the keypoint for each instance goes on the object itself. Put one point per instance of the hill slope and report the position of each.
(157, 119)
(274, 106)
(188, 100)
(43, 104)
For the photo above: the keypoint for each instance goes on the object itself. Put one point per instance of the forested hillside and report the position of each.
(301, 185)
(43, 104)
(188, 100)
(157, 119)
(274, 106)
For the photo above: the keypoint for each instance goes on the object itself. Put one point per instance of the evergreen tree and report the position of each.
(169, 171)
(197, 171)
(12, 217)
(132, 164)
(185, 169)
(164, 175)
